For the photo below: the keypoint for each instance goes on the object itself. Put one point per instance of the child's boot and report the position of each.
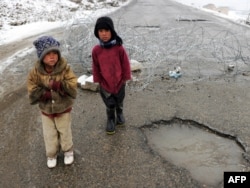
(110, 129)
(120, 120)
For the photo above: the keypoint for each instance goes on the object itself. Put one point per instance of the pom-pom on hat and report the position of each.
(46, 44)
(105, 23)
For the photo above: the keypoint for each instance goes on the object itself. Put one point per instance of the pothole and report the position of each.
(187, 19)
(191, 20)
(204, 153)
(149, 27)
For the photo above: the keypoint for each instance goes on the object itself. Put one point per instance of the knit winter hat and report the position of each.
(46, 44)
(105, 23)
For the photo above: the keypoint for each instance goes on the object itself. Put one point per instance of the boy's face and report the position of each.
(51, 58)
(104, 35)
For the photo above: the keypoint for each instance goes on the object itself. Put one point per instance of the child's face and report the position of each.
(50, 59)
(104, 35)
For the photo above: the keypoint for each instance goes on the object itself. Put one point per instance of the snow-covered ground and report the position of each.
(22, 18)
(236, 10)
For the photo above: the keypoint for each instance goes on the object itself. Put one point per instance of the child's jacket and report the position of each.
(60, 99)
(111, 67)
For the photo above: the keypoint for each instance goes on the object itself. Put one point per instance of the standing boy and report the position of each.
(53, 86)
(111, 69)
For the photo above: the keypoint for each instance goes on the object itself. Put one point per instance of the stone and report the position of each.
(135, 65)
(87, 83)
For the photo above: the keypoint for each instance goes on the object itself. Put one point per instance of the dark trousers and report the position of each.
(112, 101)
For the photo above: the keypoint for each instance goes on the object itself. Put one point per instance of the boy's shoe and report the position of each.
(120, 120)
(51, 162)
(110, 129)
(68, 157)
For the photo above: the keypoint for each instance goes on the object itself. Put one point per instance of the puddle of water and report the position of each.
(205, 155)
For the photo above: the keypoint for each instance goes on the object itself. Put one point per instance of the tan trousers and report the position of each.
(57, 133)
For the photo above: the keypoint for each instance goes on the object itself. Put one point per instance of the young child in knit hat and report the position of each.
(52, 85)
(111, 69)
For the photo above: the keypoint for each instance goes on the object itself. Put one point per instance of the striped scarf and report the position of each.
(108, 44)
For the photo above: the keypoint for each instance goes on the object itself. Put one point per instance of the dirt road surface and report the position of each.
(219, 101)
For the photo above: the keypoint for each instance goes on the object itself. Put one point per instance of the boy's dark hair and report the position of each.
(107, 23)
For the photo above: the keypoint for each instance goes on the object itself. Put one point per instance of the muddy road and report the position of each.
(206, 93)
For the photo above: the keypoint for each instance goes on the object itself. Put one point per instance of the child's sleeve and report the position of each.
(35, 91)
(126, 70)
(95, 68)
(69, 83)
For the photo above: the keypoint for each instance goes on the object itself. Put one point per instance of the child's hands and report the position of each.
(51, 83)
(55, 85)
(46, 96)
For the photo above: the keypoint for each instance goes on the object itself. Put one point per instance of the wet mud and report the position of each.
(200, 150)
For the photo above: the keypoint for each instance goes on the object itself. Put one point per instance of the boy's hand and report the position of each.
(46, 96)
(55, 85)
(51, 83)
